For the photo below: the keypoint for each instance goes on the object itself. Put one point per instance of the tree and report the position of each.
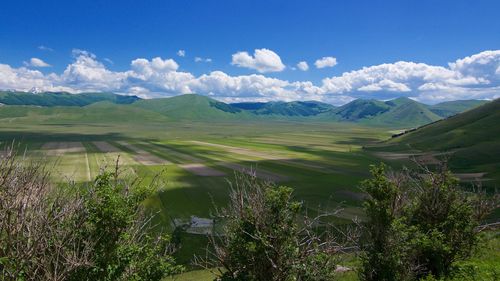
(264, 237)
(383, 243)
(444, 222)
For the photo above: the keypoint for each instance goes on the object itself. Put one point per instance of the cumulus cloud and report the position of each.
(36, 62)
(181, 53)
(325, 62)
(263, 60)
(476, 76)
(303, 66)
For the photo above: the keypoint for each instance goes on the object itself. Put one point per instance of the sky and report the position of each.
(331, 51)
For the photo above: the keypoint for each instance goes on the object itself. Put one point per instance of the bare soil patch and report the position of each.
(185, 157)
(470, 176)
(106, 147)
(144, 157)
(395, 156)
(358, 196)
(202, 170)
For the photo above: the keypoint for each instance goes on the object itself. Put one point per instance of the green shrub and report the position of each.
(419, 226)
(265, 238)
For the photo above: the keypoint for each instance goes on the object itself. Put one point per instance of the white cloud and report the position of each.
(36, 62)
(148, 68)
(181, 53)
(45, 48)
(200, 59)
(263, 60)
(325, 62)
(303, 66)
(387, 85)
(476, 76)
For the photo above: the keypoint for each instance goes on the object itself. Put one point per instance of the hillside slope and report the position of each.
(450, 108)
(294, 108)
(400, 112)
(61, 98)
(192, 107)
(473, 138)
(466, 129)
(96, 113)
(405, 112)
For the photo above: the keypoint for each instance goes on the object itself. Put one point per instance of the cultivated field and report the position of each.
(323, 161)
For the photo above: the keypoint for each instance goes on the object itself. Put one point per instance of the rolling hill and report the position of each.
(400, 112)
(61, 98)
(396, 113)
(450, 108)
(470, 128)
(473, 138)
(358, 110)
(192, 107)
(295, 108)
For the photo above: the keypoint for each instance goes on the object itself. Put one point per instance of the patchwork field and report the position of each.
(323, 161)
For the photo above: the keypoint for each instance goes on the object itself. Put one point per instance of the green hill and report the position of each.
(97, 113)
(295, 108)
(463, 130)
(193, 107)
(473, 137)
(397, 113)
(450, 108)
(61, 98)
(358, 110)
(404, 112)
(400, 112)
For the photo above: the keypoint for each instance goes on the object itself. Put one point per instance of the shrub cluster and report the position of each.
(419, 226)
(99, 232)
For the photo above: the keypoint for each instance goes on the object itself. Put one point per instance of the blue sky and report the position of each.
(91, 45)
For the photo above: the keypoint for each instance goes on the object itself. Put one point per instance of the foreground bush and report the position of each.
(99, 232)
(419, 226)
(265, 237)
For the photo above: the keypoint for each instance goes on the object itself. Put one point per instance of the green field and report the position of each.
(323, 161)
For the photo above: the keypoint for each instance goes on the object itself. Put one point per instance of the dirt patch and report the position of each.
(470, 176)
(202, 170)
(259, 173)
(185, 157)
(427, 159)
(144, 157)
(395, 156)
(61, 148)
(358, 196)
(106, 147)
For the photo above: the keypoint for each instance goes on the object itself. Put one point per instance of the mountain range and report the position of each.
(400, 112)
